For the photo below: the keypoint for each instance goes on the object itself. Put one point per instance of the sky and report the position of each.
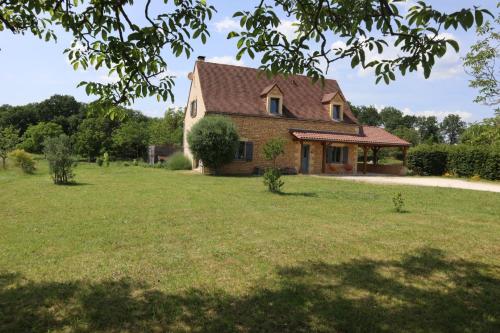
(32, 70)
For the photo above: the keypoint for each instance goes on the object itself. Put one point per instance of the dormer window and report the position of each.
(336, 112)
(274, 105)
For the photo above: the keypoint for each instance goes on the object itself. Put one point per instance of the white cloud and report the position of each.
(227, 24)
(105, 78)
(288, 28)
(439, 114)
(228, 60)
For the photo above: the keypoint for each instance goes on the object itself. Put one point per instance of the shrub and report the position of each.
(214, 140)
(428, 159)
(99, 161)
(272, 179)
(58, 152)
(468, 161)
(105, 159)
(178, 162)
(35, 135)
(398, 202)
(23, 160)
(135, 162)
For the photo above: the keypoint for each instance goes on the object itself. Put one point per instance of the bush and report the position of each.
(214, 140)
(428, 160)
(35, 135)
(58, 152)
(178, 162)
(469, 161)
(23, 160)
(272, 179)
(398, 202)
(135, 162)
(105, 159)
(99, 161)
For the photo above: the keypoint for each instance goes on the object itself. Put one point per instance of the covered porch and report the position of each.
(338, 152)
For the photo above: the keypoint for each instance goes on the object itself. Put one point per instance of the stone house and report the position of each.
(322, 134)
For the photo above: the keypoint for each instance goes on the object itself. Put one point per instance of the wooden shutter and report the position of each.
(329, 155)
(345, 155)
(249, 150)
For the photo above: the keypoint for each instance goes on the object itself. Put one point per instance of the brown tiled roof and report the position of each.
(368, 135)
(237, 90)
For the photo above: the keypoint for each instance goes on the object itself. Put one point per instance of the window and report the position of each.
(337, 155)
(274, 105)
(244, 151)
(336, 112)
(193, 110)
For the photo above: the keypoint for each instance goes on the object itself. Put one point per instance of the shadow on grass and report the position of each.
(423, 291)
(71, 184)
(299, 194)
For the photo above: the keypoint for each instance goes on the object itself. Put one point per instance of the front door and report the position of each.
(304, 165)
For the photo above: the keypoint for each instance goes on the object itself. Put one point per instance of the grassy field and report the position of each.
(131, 249)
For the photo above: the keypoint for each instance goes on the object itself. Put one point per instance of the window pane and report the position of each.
(240, 153)
(274, 105)
(336, 112)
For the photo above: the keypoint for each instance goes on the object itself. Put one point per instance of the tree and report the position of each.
(409, 134)
(59, 154)
(214, 140)
(9, 138)
(63, 110)
(92, 138)
(272, 177)
(429, 131)
(481, 62)
(169, 129)
(452, 127)
(105, 34)
(131, 139)
(35, 135)
(391, 118)
(485, 133)
(368, 115)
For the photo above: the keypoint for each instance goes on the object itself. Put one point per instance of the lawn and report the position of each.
(132, 249)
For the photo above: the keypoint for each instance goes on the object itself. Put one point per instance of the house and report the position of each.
(322, 134)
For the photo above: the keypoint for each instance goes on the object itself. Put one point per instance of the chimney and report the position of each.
(201, 58)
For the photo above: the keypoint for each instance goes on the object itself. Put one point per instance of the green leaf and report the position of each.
(454, 44)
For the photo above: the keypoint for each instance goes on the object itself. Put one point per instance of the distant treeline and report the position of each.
(91, 131)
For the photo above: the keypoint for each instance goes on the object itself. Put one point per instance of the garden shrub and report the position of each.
(469, 161)
(272, 179)
(428, 159)
(99, 161)
(178, 162)
(23, 160)
(105, 159)
(398, 202)
(214, 140)
(59, 154)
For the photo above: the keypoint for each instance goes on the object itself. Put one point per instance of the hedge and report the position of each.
(460, 160)
(426, 160)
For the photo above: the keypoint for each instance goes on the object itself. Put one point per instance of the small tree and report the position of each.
(214, 140)
(35, 136)
(9, 138)
(58, 152)
(272, 177)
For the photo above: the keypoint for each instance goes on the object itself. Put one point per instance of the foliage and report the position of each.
(485, 133)
(105, 158)
(481, 62)
(273, 148)
(409, 134)
(131, 139)
(392, 118)
(428, 128)
(272, 179)
(399, 202)
(58, 152)
(106, 35)
(214, 140)
(452, 127)
(468, 161)
(367, 115)
(169, 129)
(178, 162)
(99, 161)
(428, 160)
(23, 160)
(135, 162)
(92, 137)
(35, 135)
(9, 138)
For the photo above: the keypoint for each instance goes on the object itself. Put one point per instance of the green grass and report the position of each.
(132, 249)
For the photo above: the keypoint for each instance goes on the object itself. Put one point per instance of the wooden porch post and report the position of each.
(323, 166)
(300, 156)
(375, 155)
(365, 157)
(405, 162)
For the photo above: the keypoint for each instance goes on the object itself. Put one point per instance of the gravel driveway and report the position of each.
(423, 181)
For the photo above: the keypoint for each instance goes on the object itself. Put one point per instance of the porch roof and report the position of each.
(368, 136)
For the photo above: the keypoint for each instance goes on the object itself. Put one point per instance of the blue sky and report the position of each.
(32, 70)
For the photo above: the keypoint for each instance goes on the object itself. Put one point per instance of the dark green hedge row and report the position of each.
(460, 160)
